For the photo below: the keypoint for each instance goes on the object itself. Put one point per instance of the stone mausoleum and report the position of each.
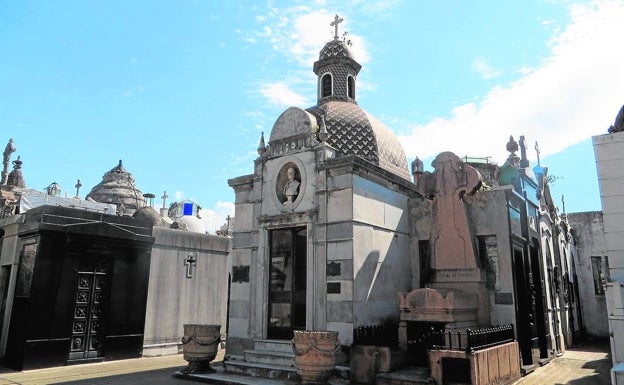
(333, 232)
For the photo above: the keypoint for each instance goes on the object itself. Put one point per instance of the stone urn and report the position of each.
(315, 353)
(200, 345)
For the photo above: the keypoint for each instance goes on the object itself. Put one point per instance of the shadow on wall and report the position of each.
(376, 286)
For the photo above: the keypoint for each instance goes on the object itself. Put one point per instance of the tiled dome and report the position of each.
(353, 131)
(335, 48)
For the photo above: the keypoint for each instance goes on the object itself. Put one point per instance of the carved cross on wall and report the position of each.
(190, 262)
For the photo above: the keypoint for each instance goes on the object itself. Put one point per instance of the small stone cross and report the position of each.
(190, 262)
(337, 20)
(563, 204)
(78, 186)
(228, 218)
(164, 198)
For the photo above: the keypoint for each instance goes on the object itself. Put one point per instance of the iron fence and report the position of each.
(472, 340)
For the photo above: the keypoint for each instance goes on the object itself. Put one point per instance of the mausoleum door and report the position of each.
(91, 290)
(287, 282)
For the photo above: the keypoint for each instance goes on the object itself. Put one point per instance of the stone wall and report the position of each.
(588, 229)
(174, 297)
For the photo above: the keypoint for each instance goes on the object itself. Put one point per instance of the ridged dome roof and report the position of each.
(117, 187)
(353, 131)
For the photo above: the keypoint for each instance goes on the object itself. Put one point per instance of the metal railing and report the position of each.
(378, 335)
(472, 340)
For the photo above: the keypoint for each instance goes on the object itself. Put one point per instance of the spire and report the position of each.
(323, 134)
(261, 146)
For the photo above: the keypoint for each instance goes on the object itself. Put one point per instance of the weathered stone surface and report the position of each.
(450, 231)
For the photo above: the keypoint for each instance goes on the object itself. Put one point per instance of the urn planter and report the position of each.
(200, 345)
(315, 354)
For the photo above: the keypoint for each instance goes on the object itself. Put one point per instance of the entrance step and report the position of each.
(255, 369)
(405, 376)
(273, 345)
(270, 357)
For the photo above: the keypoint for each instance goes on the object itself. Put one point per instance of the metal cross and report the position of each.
(164, 198)
(228, 218)
(337, 20)
(538, 153)
(190, 262)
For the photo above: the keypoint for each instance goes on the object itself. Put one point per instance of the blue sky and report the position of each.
(181, 90)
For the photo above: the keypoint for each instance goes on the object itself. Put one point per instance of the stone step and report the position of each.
(255, 369)
(273, 345)
(270, 357)
(405, 376)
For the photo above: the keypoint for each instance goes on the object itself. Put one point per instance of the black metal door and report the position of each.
(86, 338)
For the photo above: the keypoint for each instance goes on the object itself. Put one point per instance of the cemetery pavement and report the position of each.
(138, 371)
(588, 364)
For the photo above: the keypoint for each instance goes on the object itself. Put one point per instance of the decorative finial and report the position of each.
(563, 204)
(261, 146)
(323, 134)
(17, 163)
(78, 186)
(512, 145)
(337, 20)
(417, 169)
(164, 198)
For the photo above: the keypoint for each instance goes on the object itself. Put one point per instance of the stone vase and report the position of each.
(315, 354)
(200, 345)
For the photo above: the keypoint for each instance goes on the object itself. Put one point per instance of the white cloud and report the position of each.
(280, 94)
(298, 33)
(178, 195)
(575, 93)
(214, 218)
(484, 68)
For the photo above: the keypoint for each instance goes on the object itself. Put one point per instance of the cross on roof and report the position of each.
(337, 20)
(164, 198)
(537, 149)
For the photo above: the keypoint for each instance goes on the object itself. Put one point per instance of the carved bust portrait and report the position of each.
(291, 187)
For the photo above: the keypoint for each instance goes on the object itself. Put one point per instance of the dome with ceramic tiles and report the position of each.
(353, 131)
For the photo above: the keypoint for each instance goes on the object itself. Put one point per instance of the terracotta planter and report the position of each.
(199, 345)
(315, 353)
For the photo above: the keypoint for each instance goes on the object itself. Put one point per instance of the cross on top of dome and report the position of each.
(337, 20)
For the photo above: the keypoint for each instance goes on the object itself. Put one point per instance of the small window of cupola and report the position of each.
(351, 87)
(326, 85)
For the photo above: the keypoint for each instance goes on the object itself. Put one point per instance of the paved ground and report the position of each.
(584, 365)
